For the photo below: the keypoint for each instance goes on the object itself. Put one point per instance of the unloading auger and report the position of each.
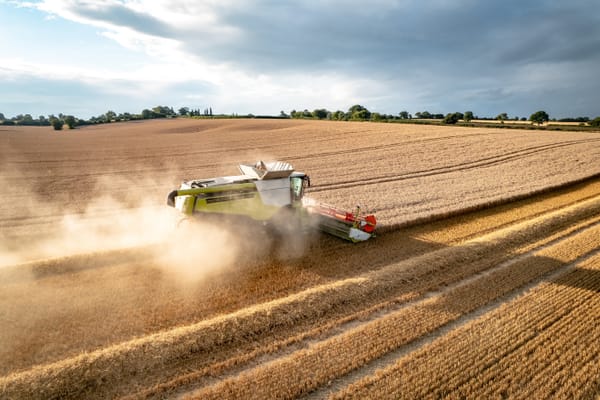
(262, 192)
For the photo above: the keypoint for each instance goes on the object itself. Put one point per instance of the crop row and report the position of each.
(210, 341)
(308, 369)
(417, 194)
(130, 296)
(562, 348)
(541, 344)
(461, 228)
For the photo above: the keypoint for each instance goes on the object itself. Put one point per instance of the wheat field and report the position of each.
(483, 280)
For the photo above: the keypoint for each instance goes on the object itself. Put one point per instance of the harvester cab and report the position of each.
(261, 192)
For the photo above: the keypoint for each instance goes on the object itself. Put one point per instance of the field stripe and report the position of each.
(155, 352)
(587, 233)
(480, 346)
(484, 162)
(336, 356)
(441, 215)
(336, 263)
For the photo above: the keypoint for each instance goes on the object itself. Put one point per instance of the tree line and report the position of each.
(61, 120)
(360, 113)
(355, 113)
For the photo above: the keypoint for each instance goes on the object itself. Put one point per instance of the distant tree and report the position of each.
(523, 119)
(183, 111)
(578, 119)
(452, 119)
(26, 119)
(320, 113)
(403, 114)
(359, 113)
(595, 122)
(282, 114)
(70, 121)
(110, 115)
(125, 116)
(2, 117)
(468, 116)
(57, 124)
(502, 117)
(539, 117)
(424, 115)
(338, 115)
(376, 116)
(146, 114)
(160, 111)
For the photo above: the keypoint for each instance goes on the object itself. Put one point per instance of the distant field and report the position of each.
(484, 280)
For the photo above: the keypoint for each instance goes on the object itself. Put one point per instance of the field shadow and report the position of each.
(542, 270)
(581, 278)
(334, 258)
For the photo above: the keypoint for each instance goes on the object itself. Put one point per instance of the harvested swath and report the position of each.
(152, 353)
(308, 369)
(504, 353)
(555, 353)
(459, 228)
(73, 263)
(139, 301)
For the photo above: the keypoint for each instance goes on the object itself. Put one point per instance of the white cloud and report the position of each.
(263, 55)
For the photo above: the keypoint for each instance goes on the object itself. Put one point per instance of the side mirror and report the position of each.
(306, 180)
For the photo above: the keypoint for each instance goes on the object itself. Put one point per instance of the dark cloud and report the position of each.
(447, 44)
(119, 15)
(487, 56)
(414, 38)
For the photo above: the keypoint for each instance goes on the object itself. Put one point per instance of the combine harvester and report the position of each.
(266, 191)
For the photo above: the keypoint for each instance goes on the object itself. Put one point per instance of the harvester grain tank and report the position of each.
(265, 190)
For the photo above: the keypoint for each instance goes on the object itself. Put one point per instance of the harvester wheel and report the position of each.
(288, 237)
(183, 222)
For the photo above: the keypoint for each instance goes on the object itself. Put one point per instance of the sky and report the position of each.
(265, 56)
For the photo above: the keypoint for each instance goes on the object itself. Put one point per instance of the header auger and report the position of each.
(261, 192)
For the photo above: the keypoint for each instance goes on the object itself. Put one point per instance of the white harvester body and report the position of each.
(261, 192)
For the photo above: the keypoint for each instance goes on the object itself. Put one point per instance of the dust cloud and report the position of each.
(40, 228)
(107, 213)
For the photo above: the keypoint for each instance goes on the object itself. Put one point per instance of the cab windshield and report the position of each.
(297, 187)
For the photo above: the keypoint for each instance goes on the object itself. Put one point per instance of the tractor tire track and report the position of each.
(480, 163)
(363, 149)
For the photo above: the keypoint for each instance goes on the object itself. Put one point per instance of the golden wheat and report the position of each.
(156, 338)
(341, 354)
(500, 353)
